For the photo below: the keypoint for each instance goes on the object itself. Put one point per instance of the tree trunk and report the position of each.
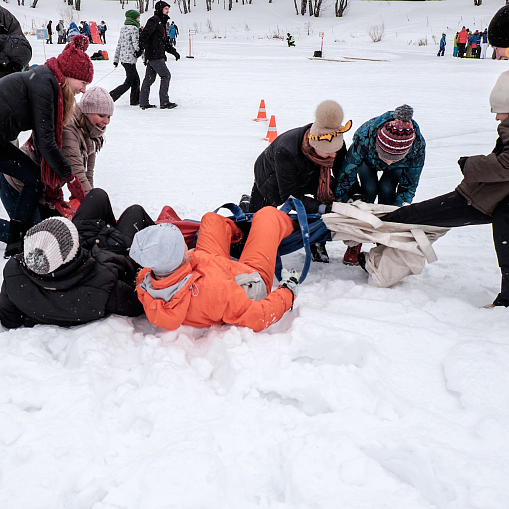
(340, 8)
(208, 3)
(318, 5)
(77, 5)
(310, 7)
(303, 6)
(230, 5)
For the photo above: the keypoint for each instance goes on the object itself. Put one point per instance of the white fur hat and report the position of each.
(499, 97)
(328, 121)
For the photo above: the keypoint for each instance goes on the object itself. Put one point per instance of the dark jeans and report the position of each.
(385, 188)
(441, 52)
(132, 81)
(451, 210)
(154, 68)
(97, 205)
(16, 164)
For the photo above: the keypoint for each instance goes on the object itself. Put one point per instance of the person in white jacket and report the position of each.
(127, 52)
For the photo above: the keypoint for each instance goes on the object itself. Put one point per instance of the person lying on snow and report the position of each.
(204, 286)
(482, 196)
(74, 272)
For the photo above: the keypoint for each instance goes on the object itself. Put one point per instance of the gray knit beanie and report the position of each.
(97, 100)
(499, 97)
(160, 247)
(50, 244)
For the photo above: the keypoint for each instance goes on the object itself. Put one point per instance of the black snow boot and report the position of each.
(17, 231)
(319, 253)
(244, 203)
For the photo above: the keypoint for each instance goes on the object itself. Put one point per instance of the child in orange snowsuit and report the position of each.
(205, 287)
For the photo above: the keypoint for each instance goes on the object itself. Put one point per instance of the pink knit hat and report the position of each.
(395, 138)
(97, 100)
(74, 62)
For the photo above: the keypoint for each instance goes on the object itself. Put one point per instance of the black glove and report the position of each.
(138, 53)
(461, 162)
(177, 55)
(115, 64)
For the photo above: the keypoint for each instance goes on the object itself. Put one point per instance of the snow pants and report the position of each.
(461, 49)
(452, 210)
(385, 188)
(132, 81)
(154, 68)
(269, 227)
(97, 205)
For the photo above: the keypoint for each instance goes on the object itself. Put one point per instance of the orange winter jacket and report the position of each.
(203, 292)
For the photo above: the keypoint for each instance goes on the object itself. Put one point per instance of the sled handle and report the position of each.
(237, 212)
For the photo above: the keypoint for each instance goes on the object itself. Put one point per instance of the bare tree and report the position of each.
(303, 7)
(376, 32)
(34, 4)
(208, 3)
(340, 8)
(318, 6)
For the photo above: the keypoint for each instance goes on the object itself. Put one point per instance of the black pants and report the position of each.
(132, 81)
(451, 210)
(16, 164)
(461, 49)
(441, 52)
(97, 205)
(257, 201)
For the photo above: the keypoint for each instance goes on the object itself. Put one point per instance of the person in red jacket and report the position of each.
(461, 42)
(204, 286)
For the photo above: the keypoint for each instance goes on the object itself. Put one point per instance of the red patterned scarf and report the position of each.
(324, 194)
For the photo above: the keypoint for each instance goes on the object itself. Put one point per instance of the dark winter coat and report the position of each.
(27, 102)
(153, 37)
(50, 29)
(98, 282)
(282, 170)
(363, 150)
(442, 42)
(486, 178)
(15, 50)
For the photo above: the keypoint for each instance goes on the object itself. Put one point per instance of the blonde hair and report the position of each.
(68, 96)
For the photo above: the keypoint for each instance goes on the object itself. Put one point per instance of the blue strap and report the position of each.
(295, 204)
(237, 212)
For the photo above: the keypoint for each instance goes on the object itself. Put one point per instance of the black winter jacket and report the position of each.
(98, 282)
(282, 170)
(153, 37)
(27, 102)
(15, 50)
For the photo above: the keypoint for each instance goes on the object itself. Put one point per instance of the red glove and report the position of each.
(75, 187)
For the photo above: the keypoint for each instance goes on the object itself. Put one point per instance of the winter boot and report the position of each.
(319, 253)
(244, 202)
(17, 231)
(351, 255)
(148, 106)
(168, 106)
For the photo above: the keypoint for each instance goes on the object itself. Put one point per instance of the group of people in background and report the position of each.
(65, 35)
(72, 262)
(468, 44)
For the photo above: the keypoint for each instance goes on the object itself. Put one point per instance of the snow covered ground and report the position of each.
(359, 398)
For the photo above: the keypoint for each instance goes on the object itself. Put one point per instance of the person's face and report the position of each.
(386, 161)
(501, 116)
(98, 120)
(166, 10)
(325, 155)
(77, 86)
(138, 19)
(502, 53)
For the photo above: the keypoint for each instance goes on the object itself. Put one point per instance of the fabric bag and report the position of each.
(401, 249)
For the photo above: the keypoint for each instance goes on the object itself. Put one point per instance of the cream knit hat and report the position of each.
(326, 133)
(499, 97)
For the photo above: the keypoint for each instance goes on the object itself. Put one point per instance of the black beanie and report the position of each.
(160, 6)
(498, 29)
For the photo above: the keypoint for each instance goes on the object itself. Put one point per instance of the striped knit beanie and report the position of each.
(395, 138)
(50, 244)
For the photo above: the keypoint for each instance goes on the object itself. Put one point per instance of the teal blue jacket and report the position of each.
(363, 150)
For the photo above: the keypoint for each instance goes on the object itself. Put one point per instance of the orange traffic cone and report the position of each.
(262, 117)
(271, 132)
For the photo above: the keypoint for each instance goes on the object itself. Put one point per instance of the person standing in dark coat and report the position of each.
(50, 33)
(72, 273)
(303, 163)
(154, 41)
(15, 50)
(441, 51)
(40, 100)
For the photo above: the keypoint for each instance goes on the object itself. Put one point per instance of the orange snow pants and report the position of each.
(269, 227)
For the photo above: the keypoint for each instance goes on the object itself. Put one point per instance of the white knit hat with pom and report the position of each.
(499, 97)
(328, 120)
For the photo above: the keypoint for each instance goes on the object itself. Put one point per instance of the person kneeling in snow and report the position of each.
(74, 272)
(205, 287)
